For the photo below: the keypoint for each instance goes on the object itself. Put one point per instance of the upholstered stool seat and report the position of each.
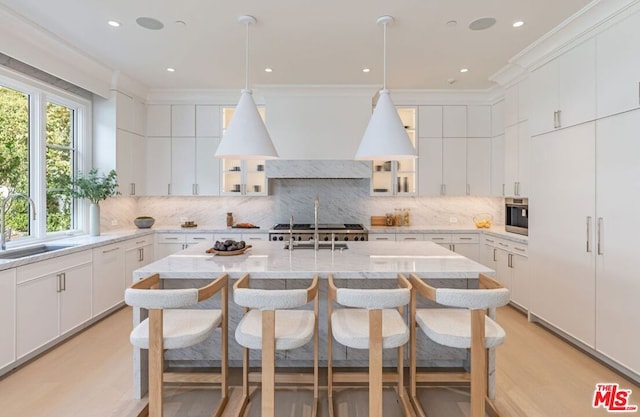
(294, 328)
(271, 322)
(170, 326)
(180, 328)
(467, 326)
(375, 322)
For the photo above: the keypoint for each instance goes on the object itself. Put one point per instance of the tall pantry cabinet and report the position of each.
(583, 205)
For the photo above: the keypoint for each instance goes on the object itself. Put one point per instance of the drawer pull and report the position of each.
(489, 240)
(170, 238)
(519, 249)
(466, 238)
(140, 242)
(110, 250)
(502, 244)
(437, 238)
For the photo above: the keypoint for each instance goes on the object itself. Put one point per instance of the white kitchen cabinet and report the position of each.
(138, 252)
(509, 260)
(7, 316)
(159, 120)
(466, 244)
(158, 166)
(618, 67)
(183, 168)
(561, 227)
(454, 162)
(409, 236)
(615, 243)
(430, 121)
(207, 166)
(430, 167)
(52, 298)
(454, 121)
(183, 120)
(563, 91)
(517, 155)
(124, 111)
(170, 243)
(497, 165)
(243, 178)
(382, 237)
(108, 273)
(208, 121)
(394, 178)
(249, 237)
(479, 158)
(497, 118)
(511, 106)
(478, 121)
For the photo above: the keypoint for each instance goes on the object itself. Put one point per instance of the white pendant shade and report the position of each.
(247, 136)
(385, 137)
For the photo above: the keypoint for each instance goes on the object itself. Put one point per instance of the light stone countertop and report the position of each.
(268, 260)
(496, 231)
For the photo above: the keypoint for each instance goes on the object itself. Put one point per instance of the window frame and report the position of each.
(39, 94)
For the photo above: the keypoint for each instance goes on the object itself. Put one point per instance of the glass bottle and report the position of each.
(407, 217)
(229, 219)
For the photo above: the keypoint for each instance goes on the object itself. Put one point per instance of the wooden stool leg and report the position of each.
(268, 362)
(375, 363)
(329, 364)
(478, 364)
(156, 363)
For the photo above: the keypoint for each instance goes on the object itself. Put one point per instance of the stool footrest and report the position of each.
(363, 377)
(192, 377)
(284, 378)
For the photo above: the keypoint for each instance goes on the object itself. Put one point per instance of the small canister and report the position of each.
(229, 219)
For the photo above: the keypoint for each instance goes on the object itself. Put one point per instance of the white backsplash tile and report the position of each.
(341, 201)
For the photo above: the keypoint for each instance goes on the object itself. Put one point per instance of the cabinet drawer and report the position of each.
(138, 242)
(230, 236)
(170, 238)
(382, 237)
(437, 238)
(409, 236)
(199, 238)
(519, 249)
(50, 266)
(248, 237)
(465, 238)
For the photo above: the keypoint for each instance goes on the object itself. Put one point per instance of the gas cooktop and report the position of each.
(322, 226)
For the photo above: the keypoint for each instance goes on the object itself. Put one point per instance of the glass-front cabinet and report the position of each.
(241, 177)
(397, 177)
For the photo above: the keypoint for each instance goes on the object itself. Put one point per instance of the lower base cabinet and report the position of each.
(108, 277)
(52, 298)
(137, 253)
(7, 316)
(510, 261)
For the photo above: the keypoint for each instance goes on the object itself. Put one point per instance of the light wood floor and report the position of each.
(538, 375)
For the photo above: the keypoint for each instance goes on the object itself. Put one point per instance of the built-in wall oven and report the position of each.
(517, 215)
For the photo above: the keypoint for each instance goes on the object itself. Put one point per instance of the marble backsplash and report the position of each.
(341, 201)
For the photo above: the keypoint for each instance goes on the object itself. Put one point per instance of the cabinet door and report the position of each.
(618, 287)
(524, 100)
(577, 84)
(75, 297)
(208, 121)
(183, 120)
(488, 256)
(511, 106)
(430, 166)
(36, 313)
(524, 160)
(618, 67)
(7, 316)
(511, 157)
(124, 112)
(207, 167)
(503, 271)
(108, 272)
(158, 166)
(497, 165)
(479, 121)
(454, 121)
(561, 202)
(454, 166)
(409, 236)
(183, 171)
(497, 118)
(521, 286)
(468, 250)
(139, 118)
(138, 164)
(479, 166)
(543, 83)
(124, 165)
(159, 120)
(381, 236)
(430, 121)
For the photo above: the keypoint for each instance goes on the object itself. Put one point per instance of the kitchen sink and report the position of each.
(322, 245)
(31, 250)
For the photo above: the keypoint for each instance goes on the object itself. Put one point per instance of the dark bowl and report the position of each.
(144, 222)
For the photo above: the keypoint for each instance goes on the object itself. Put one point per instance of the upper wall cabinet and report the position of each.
(497, 118)
(454, 121)
(516, 103)
(430, 121)
(563, 91)
(158, 120)
(479, 121)
(183, 120)
(618, 67)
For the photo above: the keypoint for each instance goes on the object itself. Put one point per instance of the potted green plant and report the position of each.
(95, 188)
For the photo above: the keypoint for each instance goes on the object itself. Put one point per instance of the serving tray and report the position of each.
(228, 252)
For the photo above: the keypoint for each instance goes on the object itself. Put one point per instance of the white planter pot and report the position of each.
(94, 219)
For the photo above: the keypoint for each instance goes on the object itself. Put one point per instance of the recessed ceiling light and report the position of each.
(482, 23)
(518, 23)
(463, 70)
(268, 70)
(113, 23)
(366, 69)
(171, 69)
(149, 23)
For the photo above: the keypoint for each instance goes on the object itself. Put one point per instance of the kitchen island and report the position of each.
(361, 265)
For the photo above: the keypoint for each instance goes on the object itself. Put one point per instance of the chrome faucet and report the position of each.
(316, 236)
(290, 233)
(3, 237)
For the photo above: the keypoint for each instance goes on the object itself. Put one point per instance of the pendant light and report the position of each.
(246, 137)
(385, 137)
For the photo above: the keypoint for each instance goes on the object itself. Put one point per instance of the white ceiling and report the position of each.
(307, 42)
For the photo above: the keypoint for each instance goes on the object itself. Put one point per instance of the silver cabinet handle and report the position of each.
(600, 244)
(140, 254)
(503, 187)
(132, 188)
(168, 189)
(59, 283)
(555, 119)
(111, 250)
(64, 281)
(494, 255)
(465, 238)
(559, 118)
(410, 238)
(516, 187)
(468, 189)
(502, 244)
(489, 240)
(518, 249)
(437, 238)
(381, 238)
(588, 234)
(140, 242)
(452, 247)
(510, 260)
(170, 238)
(443, 189)
(193, 189)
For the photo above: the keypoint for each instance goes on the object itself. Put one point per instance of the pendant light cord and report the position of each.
(246, 57)
(384, 57)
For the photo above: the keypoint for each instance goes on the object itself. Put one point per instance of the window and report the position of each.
(42, 131)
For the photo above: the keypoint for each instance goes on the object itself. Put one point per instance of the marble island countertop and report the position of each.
(266, 260)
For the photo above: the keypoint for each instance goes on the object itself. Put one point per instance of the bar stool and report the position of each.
(169, 327)
(464, 327)
(374, 322)
(270, 324)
